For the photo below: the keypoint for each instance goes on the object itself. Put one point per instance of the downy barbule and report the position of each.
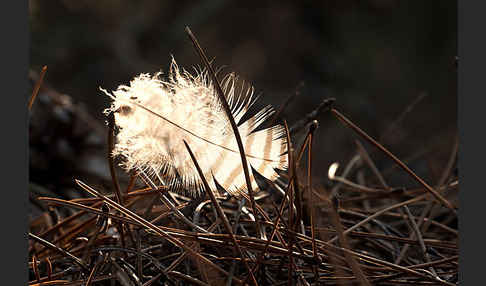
(153, 116)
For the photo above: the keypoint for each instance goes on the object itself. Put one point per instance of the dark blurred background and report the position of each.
(375, 57)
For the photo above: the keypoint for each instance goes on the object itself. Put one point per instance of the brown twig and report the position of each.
(227, 110)
(37, 87)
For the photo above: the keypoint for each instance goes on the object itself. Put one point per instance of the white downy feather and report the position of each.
(154, 116)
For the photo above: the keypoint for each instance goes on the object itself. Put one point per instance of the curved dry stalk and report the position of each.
(227, 110)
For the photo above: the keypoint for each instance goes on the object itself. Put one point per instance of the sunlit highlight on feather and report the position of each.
(154, 116)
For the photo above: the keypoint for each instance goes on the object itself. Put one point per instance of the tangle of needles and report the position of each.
(311, 238)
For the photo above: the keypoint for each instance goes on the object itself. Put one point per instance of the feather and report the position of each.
(154, 116)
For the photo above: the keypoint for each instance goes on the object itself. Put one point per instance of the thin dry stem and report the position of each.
(227, 110)
(37, 87)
